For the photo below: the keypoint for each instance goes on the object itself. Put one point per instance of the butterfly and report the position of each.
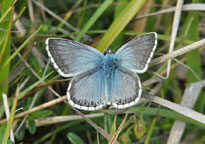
(100, 80)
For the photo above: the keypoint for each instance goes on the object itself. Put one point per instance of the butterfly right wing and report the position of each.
(137, 53)
(86, 90)
(125, 88)
(70, 58)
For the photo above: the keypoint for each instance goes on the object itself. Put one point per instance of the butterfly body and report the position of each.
(101, 80)
(109, 65)
(109, 68)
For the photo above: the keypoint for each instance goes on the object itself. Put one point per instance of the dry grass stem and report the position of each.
(189, 99)
(178, 108)
(7, 111)
(186, 7)
(114, 138)
(178, 52)
(55, 16)
(175, 25)
(58, 119)
(43, 106)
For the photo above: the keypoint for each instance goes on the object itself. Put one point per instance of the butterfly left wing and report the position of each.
(136, 54)
(125, 88)
(86, 90)
(71, 58)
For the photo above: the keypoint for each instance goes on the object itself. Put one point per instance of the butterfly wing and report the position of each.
(125, 88)
(87, 90)
(70, 58)
(136, 54)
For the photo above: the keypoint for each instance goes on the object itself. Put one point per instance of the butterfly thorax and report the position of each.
(109, 65)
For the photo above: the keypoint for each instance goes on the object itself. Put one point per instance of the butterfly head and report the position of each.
(109, 51)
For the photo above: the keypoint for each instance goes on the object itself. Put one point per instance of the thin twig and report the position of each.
(188, 67)
(31, 12)
(186, 7)
(55, 16)
(35, 74)
(30, 107)
(99, 129)
(58, 119)
(119, 130)
(175, 25)
(178, 52)
(43, 106)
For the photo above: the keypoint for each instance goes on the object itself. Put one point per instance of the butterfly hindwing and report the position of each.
(70, 58)
(87, 90)
(125, 88)
(137, 53)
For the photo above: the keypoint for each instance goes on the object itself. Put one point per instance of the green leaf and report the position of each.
(119, 23)
(93, 19)
(21, 133)
(113, 127)
(2, 131)
(74, 139)
(193, 57)
(107, 122)
(40, 113)
(139, 129)
(151, 129)
(31, 126)
(57, 130)
(9, 142)
(163, 112)
(125, 139)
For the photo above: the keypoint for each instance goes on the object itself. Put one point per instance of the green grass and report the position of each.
(108, 24)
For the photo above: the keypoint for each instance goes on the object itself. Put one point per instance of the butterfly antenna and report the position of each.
(106, 51)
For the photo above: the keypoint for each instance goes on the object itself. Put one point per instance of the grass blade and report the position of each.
(21, 47)
(11, 118)
(92, 20)
(5, 51)
(119, 23)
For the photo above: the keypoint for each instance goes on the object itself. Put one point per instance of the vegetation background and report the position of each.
(32, 94)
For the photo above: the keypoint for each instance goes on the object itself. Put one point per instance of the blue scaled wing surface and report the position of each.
(87, 90)
(133, 57)
(137, 53)
(71, 58)
(125, 88)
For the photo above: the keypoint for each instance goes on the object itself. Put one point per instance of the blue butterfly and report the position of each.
(99, 80)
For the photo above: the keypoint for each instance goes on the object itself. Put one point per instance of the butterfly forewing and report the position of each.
(137, 53)
(71, 58)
